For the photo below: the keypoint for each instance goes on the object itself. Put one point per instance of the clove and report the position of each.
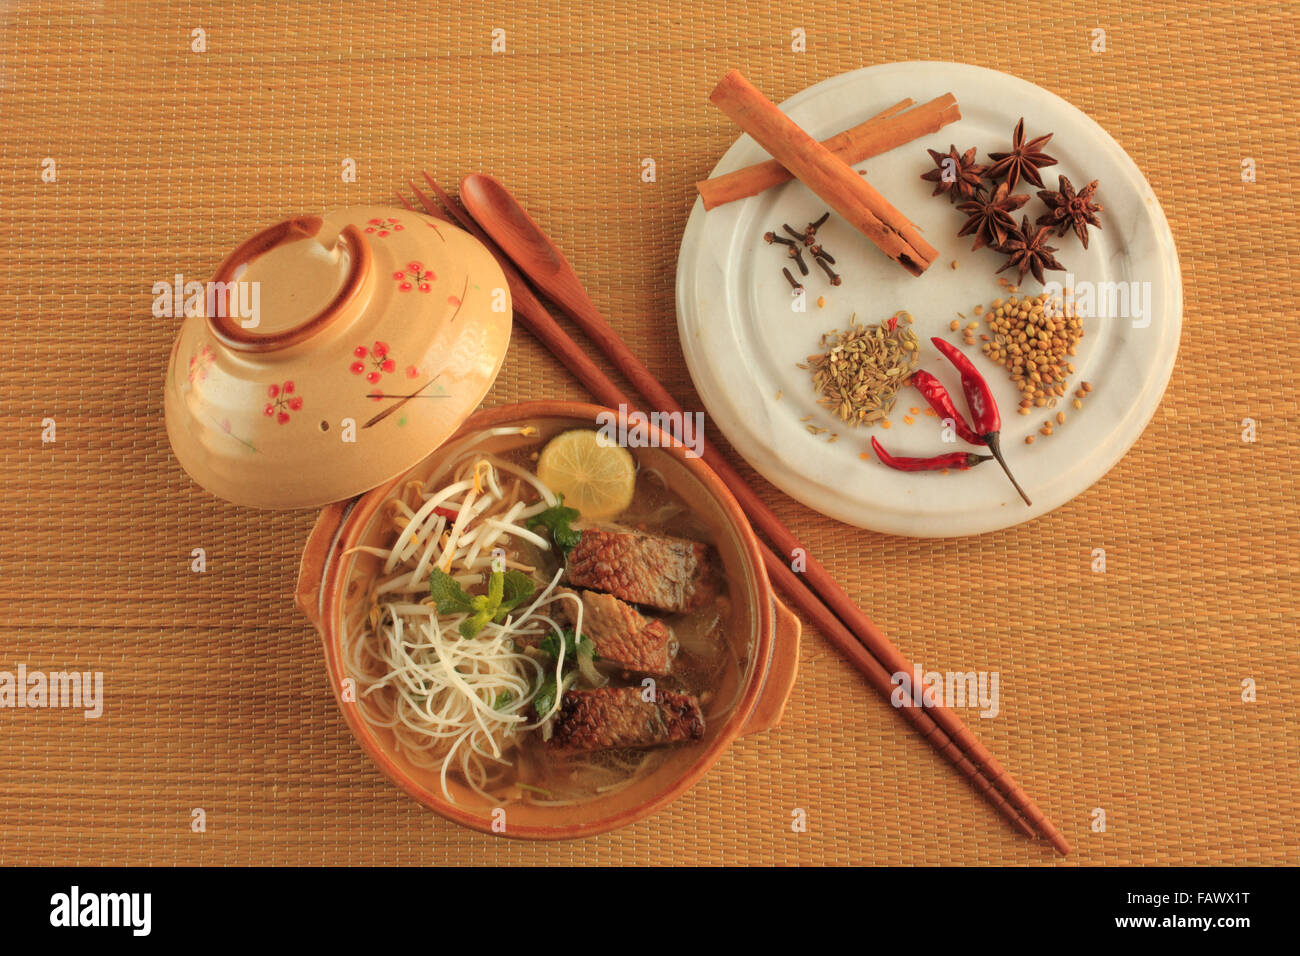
(797, 256)
(830, 273)
(795, 246)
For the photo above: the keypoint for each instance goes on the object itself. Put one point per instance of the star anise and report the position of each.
(1023, 160)
(990, 216)
(1068, 210)
(962, 180)
(1029, 251)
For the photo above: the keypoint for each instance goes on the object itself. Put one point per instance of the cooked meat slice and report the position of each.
(671, 574)
(623, 635)
(613, 717)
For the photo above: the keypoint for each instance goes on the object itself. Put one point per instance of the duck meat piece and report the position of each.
(671, 574)
(623, 635)
(614, 717)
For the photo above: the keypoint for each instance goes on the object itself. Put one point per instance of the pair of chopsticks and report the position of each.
(520, 246)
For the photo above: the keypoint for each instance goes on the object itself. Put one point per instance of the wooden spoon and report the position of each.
(520, 238)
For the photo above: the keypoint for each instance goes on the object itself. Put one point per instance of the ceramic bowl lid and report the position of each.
(331, 353)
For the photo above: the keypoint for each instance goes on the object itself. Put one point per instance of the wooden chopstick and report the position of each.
(574, 301)
(573, 357)
(602, 387)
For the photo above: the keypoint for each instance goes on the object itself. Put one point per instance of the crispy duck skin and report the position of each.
(616, 717)
(671, 574)
(623, 635)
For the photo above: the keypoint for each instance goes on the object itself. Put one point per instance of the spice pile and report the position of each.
(1034, 338)
(862, 369)
(989, 204)
(795, 242)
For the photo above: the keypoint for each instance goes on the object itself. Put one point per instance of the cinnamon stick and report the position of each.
(879, 134)
(824, 173)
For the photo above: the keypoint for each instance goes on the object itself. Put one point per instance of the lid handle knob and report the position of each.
(351, 247)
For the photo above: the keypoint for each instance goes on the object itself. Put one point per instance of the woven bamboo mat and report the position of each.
(1119, 691)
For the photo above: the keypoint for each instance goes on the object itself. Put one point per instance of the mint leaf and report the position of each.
(448, 594)
(505, 592)
(556, 519)
(472, 625)
(516, 587)
(496, 590)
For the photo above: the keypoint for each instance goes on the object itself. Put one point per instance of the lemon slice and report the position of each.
(596, 477)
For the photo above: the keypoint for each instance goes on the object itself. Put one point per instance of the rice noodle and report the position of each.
(453, 704)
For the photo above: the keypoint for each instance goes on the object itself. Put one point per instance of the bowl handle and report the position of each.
(315, 562)
(780, 673)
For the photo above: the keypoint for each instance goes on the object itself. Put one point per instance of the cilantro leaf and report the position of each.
(503, 700)
(545, 697)
(556, 644)
(560, 646)
(557, 519)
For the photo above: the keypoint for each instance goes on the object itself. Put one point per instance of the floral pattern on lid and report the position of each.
(283, 401)
(415, 276)
(199, 363)
(382, 227)
(379, 362)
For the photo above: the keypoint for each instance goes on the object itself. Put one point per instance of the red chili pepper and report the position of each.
(937, 396)
(983, 407)
(447, 513)
(957, 459)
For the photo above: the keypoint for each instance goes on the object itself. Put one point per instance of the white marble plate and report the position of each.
(742, 339)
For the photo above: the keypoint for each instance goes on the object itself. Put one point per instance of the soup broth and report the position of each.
(477, 709)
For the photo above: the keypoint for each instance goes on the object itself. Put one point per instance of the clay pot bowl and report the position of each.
(762, 627)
